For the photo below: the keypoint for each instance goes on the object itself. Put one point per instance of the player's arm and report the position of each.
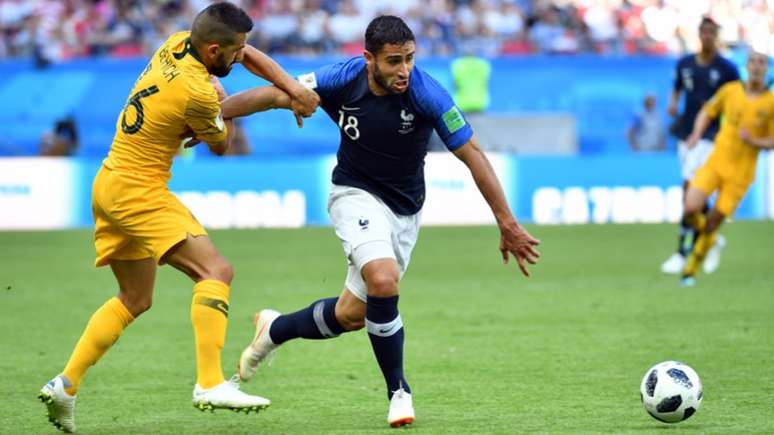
(258, 63)
(514, 239)
(254, 100)
(763, 142)
(766, 142)
(204, 118)
(707, 114)
(700, 125)
(674, 99)
(677, 87)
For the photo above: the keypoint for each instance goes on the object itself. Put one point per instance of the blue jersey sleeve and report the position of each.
(437, 105)
(330, 79)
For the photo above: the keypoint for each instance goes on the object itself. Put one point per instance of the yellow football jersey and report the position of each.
(172, 95)
(732, 157)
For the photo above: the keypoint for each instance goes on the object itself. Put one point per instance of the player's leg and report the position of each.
(197, 257)
(135, 280)
(135, 273)
(730, 195)
(385, 331)
(693, 206)
(706, 240)
(674, 264)
(323, 319)
(690, 162)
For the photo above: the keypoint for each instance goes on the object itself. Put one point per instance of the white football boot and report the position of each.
(712, 260)
(260, 347)
(674, 264)
(401, 409)
(227, 396)
(59, 404)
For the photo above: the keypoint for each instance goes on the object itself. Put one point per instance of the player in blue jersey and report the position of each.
(697, 76)
(386, 110)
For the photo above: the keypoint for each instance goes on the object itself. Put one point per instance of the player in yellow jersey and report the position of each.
(747, 113)
(139, 223)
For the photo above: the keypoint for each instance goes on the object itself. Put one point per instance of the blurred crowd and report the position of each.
(51, 30)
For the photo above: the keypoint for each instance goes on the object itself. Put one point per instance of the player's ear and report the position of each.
(368, 56)
(213, 50)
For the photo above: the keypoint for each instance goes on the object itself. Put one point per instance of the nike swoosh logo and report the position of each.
(384, 331)
(349, 108)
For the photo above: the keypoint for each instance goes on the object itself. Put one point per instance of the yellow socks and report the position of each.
(698, 221)
(209, 315)
(103, 329)
(700, 250)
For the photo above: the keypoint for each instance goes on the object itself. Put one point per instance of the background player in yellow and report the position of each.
(747, 125)
(139, 223)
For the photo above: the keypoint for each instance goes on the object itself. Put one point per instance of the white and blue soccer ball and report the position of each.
(671, 391)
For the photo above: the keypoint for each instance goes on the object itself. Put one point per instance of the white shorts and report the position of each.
(369, 230)
(691, 160)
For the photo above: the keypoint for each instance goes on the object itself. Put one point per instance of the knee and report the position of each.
(219, 269)
(383, 284)
(135, 303)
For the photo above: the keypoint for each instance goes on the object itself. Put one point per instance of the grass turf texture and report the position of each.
(487, 351)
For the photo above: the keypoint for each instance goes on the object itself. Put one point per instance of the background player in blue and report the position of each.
(386, 110)
(698, 76)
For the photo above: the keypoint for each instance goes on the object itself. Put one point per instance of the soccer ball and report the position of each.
(671, 391)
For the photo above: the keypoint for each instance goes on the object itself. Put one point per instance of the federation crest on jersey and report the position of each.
(714, 76)
(406, 123)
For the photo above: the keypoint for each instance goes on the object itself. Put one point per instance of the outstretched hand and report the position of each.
(516, 241)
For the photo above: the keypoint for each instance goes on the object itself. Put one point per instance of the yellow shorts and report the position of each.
(731, 190)
(137, 218)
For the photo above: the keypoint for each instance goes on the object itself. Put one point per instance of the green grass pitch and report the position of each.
(487, 350)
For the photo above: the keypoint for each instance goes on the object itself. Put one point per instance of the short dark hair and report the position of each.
(709, 21)
(219, 23)
(386, 29)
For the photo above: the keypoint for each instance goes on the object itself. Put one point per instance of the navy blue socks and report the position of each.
(385, 330)
(316, 322)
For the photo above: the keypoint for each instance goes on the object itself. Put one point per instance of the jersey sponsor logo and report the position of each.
(453, 119)
(407, 122)
(308, 80)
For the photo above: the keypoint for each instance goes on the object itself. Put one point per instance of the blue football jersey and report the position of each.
(384, 139)
(700, 82)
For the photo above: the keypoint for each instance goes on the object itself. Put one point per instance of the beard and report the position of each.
(221, 68)
(382, 81)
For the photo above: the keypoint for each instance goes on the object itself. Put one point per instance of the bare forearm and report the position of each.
(265, 67)
(487, 183)
(701, 123)
(674, 98)
(765, 142)
(254, 100)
